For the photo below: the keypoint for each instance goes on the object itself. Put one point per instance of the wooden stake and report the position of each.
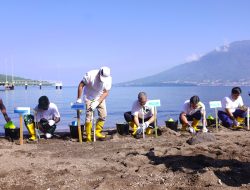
(155, 121)
(143, 134)
(216, 120)
(79, 126)
(21, 128)
(94, 124)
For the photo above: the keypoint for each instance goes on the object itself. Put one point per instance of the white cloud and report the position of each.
(223, 48)
(193, 57)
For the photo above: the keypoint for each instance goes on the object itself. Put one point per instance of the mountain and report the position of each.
(9, 78)
(228, 64)
(20, 81)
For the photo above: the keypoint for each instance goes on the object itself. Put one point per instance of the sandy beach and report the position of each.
(123, 162)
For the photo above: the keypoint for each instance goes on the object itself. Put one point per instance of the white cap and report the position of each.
(104, 74)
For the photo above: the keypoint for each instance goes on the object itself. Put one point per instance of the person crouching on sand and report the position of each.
(96, 85)
(47, 116)
(139, 111)
(193, 110)
(234, 112)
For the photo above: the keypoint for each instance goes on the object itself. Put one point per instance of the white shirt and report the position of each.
(189, 110)
(51, 113)
(231, 104)
(94, 87)
(137, 110)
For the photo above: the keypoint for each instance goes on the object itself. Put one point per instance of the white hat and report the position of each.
(104, 74)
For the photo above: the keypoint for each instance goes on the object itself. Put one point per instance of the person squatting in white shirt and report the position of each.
(46, 117)
(140, 111)
(233, 111)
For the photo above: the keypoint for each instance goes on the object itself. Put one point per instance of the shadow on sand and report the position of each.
(237, 174)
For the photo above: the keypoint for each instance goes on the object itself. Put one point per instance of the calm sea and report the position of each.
(119, 101)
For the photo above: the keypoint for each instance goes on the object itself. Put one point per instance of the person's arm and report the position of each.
(4, 112)
(103, 96)
(80, 90)
(56, 119)
(229, 113)
(183, 117)
(136, 120)
(151, 120)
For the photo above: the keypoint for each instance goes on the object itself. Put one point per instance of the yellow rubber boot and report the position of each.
(32, 131)
(148, 131)
(134, 127)
(195, 124)
(88, 126)
(98, 129)
(241, 120)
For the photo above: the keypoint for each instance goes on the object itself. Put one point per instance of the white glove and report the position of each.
(79, 100)
(142, 127)
(236, 123)
(146, 124)
(191, 130)
(51, 122)
(139, 129)
(94, 104)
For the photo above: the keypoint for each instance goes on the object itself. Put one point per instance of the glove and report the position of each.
(236, 123)
(51, 122)
(244, 108)
(146, 124)
(79, 100)
(139, 129)
(191, 130)
(94, 104)
(142, 127)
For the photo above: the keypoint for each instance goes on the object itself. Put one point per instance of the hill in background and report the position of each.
(9, 78)
(226, 65)
(21, 81)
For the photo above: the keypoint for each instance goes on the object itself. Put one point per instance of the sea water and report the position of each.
(119, 101)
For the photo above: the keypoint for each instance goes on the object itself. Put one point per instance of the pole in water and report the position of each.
(40, 86)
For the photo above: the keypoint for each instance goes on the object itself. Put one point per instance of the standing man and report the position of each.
(193, 110)
(139, 112)
(96, 85)
(3, 110)
(234, 111)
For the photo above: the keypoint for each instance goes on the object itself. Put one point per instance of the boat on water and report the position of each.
(9, 87)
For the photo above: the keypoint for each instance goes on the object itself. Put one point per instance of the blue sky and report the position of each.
(63, 39)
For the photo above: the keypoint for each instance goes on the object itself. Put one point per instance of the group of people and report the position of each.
(96, 85)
